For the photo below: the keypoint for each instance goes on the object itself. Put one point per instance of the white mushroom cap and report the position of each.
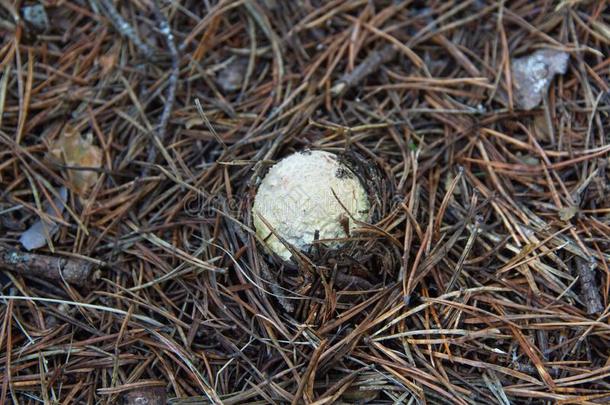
(296, 199)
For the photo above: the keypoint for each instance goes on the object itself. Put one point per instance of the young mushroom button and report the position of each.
(307, 193)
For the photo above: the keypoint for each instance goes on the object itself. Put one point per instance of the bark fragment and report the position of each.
(588, 285)
(74, 271)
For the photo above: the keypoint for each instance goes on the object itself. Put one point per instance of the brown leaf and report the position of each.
(75, 151)
(107, 62)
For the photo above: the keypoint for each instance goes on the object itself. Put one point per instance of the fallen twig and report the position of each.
(125, 28)
(370, 64)
(172, 82)
(73, 271)
(588, 285)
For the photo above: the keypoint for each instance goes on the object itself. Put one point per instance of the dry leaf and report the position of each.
(541, 128)
(107, 62)
(75, 151)
(231, 77)
(41, 231)
(532, 75)
(193, 122)
(567, 213)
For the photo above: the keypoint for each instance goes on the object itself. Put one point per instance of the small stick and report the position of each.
(164, 28)
(74, 271)
(370, 64)
(125, 29)
(172, 82)
(588, 285)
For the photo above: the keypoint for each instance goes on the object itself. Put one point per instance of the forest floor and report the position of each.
(133, 135)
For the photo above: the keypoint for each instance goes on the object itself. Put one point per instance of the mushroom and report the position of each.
(307, 196)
